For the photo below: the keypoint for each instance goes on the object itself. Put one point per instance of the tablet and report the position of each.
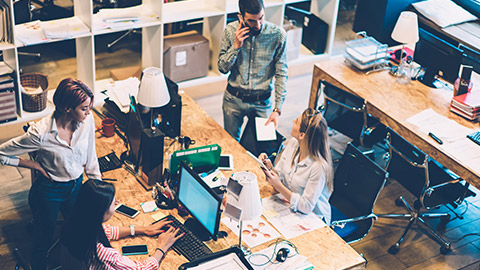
(226, 162)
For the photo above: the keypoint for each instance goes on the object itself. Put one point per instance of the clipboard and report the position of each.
(200, 157)
(231, 258)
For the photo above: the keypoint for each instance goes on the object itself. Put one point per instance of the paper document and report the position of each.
(294, 260)
(254, 232)
(265, 133)
(290, 224)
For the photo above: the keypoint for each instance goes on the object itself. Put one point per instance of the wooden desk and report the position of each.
(393, 104)
(323, 247)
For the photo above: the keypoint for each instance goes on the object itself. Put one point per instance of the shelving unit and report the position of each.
(214, 14)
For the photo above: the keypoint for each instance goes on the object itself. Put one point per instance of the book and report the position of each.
(469, 99)
(469, 116)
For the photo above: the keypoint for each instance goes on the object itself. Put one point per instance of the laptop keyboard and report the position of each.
(109, 162)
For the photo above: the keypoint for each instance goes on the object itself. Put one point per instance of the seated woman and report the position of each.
(88, 241)
(303, 173)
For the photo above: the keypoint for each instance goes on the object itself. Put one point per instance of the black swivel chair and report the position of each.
(430, 183)
(357, 182)
(347, 114)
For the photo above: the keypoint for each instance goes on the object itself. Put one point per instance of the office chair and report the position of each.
(430, 183)
(347, 114)
(50, 11)
(357, 182)
(23, 12)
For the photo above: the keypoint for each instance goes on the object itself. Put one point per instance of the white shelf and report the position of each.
(213, 13)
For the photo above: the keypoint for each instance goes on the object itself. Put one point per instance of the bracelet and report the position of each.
(278, 111)
(159, 249)
(132, 230)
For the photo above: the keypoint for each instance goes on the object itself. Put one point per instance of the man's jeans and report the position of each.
(234, 110)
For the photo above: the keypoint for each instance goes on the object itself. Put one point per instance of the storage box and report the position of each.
(185, 56)
(119, 74)
(294, 39)
(315, 32)
(8, 105)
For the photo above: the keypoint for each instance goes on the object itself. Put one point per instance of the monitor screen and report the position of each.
(470, 58)
(437, 57)
(201, 202)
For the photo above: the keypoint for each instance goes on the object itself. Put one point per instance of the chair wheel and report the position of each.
(444, 250)
(398, 202)
(394, 249)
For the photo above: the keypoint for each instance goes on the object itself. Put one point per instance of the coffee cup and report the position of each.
(107, 128)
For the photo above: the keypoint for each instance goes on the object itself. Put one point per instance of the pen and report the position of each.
(109, 179)
(435, 138)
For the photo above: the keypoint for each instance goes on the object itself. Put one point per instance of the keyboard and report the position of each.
(188, 245)
(475, 137)
(109, 162)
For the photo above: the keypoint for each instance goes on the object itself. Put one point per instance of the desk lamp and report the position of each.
(153, 93)
(405, 32)
(243, 201)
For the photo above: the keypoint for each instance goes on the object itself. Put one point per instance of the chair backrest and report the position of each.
(344, 111)
(407, 164)
(22, 11)
(422, 176)
(357, 182)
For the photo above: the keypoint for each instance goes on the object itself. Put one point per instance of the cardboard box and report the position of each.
(294, 39)
(119, 74)
(185, 56)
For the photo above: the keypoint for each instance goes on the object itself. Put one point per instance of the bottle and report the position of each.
(404, 73)
(463, 84)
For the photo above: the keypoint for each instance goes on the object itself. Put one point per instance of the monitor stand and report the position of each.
(197, 229)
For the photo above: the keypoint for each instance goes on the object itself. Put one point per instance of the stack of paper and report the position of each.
(365, 53)
(64, 28)
(115, 18)
(467, 105)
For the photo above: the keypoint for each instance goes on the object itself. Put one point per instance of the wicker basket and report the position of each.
(36, 102)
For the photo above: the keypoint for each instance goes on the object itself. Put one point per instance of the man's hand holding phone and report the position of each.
(241, 34)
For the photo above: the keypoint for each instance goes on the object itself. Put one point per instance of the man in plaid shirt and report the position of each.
(254, 52)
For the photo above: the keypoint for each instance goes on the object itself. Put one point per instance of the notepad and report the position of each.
(265, 132)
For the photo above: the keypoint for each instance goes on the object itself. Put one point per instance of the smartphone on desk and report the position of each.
(134, 250)
(127, 211)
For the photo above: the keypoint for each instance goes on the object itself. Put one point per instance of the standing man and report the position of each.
(254, 52)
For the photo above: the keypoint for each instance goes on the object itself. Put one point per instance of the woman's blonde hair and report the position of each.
(316, 137)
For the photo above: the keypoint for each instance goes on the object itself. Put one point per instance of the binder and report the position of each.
(200, 159)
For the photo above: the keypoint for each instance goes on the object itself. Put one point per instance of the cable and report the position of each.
(270, 259)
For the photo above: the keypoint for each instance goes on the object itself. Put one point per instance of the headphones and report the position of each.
(279, 255)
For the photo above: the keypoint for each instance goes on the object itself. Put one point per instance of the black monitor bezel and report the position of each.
(134, 112)
(210, 191)
(454, 56)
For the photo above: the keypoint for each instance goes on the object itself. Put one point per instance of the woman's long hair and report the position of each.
(83, 229)
(316, 138)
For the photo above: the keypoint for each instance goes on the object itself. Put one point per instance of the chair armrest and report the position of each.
(342, 222)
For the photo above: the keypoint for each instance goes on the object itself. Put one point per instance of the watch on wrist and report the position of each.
(132, 230)
(278, 111)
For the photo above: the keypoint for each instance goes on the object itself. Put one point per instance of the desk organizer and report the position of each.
(366, 53)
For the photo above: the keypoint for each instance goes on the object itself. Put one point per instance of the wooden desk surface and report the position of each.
(393, 104)
(323, 247)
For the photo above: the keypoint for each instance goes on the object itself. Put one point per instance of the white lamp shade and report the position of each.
(249, 198)
(153, 90)
(406, 28)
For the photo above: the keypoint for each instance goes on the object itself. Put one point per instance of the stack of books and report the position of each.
(8, 106)
(467, 105)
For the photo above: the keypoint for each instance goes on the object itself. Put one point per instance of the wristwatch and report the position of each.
(132, 230)
(278, 111)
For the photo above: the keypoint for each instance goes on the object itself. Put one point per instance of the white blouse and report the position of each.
(306, 180)
(61, 161)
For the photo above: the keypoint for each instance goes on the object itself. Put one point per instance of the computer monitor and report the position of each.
(470, 58)
(201, 202)
(133, 133)
(437, 57)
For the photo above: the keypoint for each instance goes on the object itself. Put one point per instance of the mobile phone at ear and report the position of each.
(134, 250)
(127, 211)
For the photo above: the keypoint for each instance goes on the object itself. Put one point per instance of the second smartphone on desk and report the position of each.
(127, 211)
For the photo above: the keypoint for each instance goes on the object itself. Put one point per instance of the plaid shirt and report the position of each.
(261, 58)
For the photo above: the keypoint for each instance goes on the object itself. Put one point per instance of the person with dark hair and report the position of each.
(87, 237)
(254, 52)
(65, 146)
(303, 172)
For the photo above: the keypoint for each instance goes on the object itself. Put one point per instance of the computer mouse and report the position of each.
(282, 254)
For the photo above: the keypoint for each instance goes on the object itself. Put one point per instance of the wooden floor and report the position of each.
(418, 251)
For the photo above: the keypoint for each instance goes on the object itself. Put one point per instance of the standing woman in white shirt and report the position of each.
(65, 143)
(303, 173)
